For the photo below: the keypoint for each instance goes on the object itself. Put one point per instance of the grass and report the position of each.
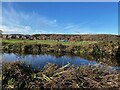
(50, 42)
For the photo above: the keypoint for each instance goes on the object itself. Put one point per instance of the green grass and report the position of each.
(50, 42)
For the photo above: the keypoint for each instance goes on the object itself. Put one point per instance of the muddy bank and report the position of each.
(20, 76)
(106, 52)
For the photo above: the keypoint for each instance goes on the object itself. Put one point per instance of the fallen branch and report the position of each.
(46, 78)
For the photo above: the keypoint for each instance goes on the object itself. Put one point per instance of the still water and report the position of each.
(39, 61)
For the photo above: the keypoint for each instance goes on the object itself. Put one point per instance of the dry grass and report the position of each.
(17, 76)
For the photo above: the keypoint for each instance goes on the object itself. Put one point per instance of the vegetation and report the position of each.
(20, 76)
(50, 42)
(93, 50)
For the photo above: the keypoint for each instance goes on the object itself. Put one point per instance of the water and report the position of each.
(39, 61)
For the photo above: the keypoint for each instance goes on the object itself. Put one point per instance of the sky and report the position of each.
(60, 18)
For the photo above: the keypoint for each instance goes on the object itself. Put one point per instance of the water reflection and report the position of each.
(38, 61)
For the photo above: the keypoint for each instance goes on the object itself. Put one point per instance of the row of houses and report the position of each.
(25, 37)
(64, 38)
(18, 36)
(40, 37)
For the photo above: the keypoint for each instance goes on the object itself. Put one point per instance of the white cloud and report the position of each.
(76, 29)
(14, 30)
(14, 21)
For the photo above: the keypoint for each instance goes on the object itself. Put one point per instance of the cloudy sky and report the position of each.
(60, 18)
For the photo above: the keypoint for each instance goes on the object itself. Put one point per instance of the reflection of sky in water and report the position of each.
(38, 61)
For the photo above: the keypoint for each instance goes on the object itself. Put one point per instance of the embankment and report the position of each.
(94, 51)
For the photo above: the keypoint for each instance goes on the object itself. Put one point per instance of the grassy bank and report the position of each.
(20, 76)
(50, 42)
(94, 50)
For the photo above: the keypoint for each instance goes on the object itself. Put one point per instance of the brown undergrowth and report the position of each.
(19, 76)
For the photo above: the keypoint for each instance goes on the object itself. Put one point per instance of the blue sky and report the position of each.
(60, 17)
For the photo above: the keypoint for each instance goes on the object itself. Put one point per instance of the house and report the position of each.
(9, 37)
(23, 37)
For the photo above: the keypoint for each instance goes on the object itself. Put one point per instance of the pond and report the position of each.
(39, 61)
